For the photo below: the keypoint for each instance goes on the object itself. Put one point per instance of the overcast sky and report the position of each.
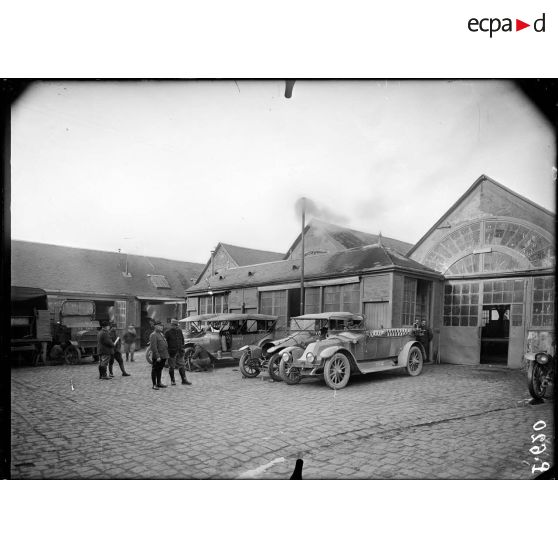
(170, 169)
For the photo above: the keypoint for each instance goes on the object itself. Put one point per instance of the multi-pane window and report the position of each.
(159, 281)
(342, 298)
(213, 304)
(517, 314)
(409, 301)
(502, 292)
(312, 300)
(205, 305)
(543, 301)
(220, 305)
(274, 303)
(120, 314)
(461, 301)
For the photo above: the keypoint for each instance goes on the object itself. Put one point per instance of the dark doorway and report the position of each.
(293, 304)
(495, 334)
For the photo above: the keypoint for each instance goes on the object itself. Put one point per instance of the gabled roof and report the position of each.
(61, 268)
(363, 260)
(351, 238)
(249, 256)
(243, 256)
(476, 184)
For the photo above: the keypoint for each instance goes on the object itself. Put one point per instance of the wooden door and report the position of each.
(376, 315)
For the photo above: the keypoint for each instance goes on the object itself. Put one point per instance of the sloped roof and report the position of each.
(62, 268)
(351, 238)
(249, 256)
(476, 184)
(362, 260)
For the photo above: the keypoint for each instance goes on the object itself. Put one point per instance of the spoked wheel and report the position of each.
(250, 367)
(414, 361)
(72, 355)
(273, 367)
(289, 374)
(535, 375)
(337, 371)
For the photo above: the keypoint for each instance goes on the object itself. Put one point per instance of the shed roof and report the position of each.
(363, 260)
(66, 269)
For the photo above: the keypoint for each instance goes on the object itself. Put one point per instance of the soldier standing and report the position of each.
(175, 342)
(105, 349)
(160, 352)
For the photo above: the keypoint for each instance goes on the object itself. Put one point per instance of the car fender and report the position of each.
(254, 350)
(329, 351)
(404, 353)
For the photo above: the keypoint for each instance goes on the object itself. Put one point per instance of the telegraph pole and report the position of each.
(302, 264)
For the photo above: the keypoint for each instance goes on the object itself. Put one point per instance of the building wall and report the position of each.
(491, 240)
(221, 262)
(316, 241)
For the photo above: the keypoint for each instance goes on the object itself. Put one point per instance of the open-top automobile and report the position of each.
(304, 330)
(345, 353)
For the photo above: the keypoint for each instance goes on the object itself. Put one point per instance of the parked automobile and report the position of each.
(345, 353)
(227, 335)
(306, 329)
(192, 328)
(540, 362)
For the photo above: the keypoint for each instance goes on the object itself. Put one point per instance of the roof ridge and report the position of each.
(103, 251)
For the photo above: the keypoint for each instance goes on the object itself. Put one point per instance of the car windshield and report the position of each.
(300, 324)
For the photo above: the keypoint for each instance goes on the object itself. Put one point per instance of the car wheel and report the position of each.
(534, 380)
(414, 361)
(72, 355)
(337, 371)
(250, 367)
(289, 374)
(149, 355)
(273, 367)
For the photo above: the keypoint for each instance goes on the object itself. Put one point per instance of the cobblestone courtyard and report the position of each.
(455, 422)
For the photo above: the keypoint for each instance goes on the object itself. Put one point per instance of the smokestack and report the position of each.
(302, 263)
(212, 257)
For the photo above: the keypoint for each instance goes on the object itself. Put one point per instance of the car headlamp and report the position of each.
(542, 358)
(286, 357)
(310, 357)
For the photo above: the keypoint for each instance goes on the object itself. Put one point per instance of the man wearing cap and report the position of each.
(130, 342)
(175, 342)
(160, 351)
(105, 349)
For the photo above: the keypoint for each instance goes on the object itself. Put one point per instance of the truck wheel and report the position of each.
(72, 355)
(414, 361)
(273, 367)
(250, 367)
(290, 374)
(337, 371)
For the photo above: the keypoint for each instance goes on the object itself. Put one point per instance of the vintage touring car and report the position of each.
(305, 329)
(345, 353)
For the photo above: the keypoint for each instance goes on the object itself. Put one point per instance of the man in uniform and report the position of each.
(117, 354)
(105, 350)
(160, 351)
(425, 337)
(175, 342)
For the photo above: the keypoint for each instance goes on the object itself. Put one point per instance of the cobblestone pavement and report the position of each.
(458, 422)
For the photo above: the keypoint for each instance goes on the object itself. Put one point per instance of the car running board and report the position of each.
(377, 366)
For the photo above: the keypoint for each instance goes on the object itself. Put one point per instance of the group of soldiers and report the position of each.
(167, 347)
